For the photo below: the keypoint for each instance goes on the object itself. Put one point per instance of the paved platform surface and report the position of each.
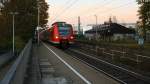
(57, 67)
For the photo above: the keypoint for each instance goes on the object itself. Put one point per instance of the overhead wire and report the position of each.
(113, 9)
(120, 6)
(64, 10)
(58, 11)
(106, 11)
(104, 4)
(67, 2)
(92, 9)
(107, 2)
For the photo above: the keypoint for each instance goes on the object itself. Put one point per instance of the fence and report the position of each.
(16, 73)
(122, 54)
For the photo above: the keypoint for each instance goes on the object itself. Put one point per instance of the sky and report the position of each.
(125, 11)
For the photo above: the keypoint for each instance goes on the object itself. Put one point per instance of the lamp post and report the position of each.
(96, 33)
(38, 14)
(95, 26)
(13, 22)
(38, 21)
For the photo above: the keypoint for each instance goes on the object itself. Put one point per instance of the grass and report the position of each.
(126, 44)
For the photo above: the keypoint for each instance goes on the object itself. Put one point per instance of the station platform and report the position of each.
(51, 65)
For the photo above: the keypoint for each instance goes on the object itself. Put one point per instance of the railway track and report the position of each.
(120, 74)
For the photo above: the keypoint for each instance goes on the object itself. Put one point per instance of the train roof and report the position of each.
(69, 25)
(62, 24)
(59, 23)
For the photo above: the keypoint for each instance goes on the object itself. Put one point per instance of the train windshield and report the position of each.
(63, 31)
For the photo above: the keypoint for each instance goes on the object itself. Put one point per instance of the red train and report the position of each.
(60, 34)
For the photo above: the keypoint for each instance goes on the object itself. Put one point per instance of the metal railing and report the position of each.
(16, 73)
(122, 54)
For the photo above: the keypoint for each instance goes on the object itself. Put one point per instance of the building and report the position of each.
(128, 25)
(110, 31)
(76, 31)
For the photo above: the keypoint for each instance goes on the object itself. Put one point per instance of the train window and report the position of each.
(64, 31)
(61, 24)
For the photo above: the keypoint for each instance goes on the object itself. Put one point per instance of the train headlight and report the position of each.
(71, 37)
(56, 37)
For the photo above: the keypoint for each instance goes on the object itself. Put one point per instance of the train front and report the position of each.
(66, 35)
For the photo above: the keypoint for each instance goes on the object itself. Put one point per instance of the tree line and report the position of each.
(144, 17)
(25, 20)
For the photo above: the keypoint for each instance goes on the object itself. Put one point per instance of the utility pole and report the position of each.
(96, 47)
(38, 20)
(79, 25)
(38, 14)
(95, 27)
(13, 14)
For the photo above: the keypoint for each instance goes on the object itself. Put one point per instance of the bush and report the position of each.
(19, 43)
(6, 44)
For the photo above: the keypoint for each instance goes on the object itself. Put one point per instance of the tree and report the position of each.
(144, 16)
(25, 21)
(43, 14)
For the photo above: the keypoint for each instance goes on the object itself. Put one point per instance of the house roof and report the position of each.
(112, 28)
